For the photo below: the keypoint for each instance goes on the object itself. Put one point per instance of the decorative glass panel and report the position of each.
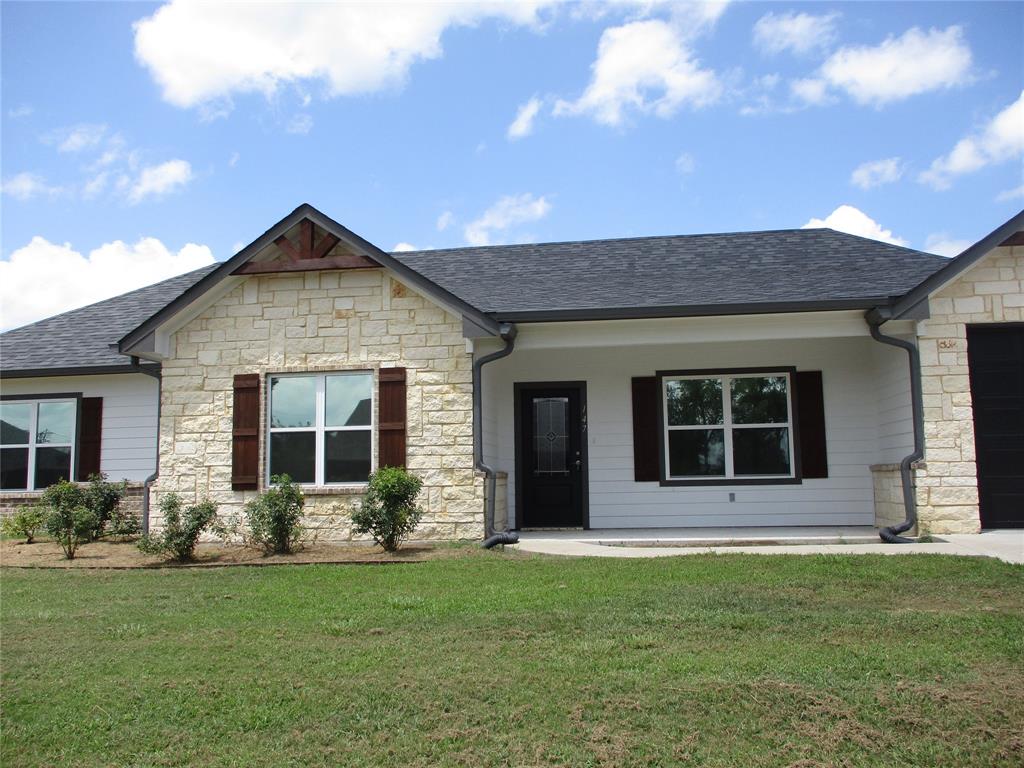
(759, 400)
(550, 434)
(56, 423)
(13, 468)
(694, 402)
(348, 400)
(14, 421)
(52, 466)
(293, 454)
(293, 402)
(760, 451)
(696, 452)
(347, 456)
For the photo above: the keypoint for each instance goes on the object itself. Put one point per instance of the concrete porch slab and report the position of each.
(1004, 545)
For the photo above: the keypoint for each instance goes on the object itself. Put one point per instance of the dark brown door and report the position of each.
(551, 450)
(996, 358)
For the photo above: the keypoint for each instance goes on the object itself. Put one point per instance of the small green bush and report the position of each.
(181, 531)
(388, 511)
(24, 523)
(274, 516)
(104, 499)
(69, 521)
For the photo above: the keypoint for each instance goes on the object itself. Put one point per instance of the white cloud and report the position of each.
(800, 33)
(853, 221)
(810, 90)
(76, 138)
(1000, 140)
(43, 278)
(1010, 194)
(233, 160)
(445, 220)
(95, 186)
(26, 186)
(399, 247)
(507, 212)
(645, 66)
(522, 126)
(900, 67)
(160, 180)
(877, 172)
(203, 53)
(21, 111)
(300, 124)
(944, 245)
(685, 164)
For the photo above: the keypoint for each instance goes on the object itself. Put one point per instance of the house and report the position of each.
(796, 377)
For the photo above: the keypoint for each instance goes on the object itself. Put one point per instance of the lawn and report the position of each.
(491, 659)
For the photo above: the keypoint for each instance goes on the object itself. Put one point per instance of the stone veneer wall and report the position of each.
(322, 321)
(989, 292)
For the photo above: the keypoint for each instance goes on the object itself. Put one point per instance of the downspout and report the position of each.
(891, 534)
(148, 370)
(491, 538)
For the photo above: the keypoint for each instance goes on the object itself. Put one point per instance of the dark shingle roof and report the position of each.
(81, 338)
(816, 267)
(785, 266)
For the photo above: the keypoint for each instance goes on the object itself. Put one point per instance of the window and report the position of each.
(321, 427)
(37, 443)
(728, 426)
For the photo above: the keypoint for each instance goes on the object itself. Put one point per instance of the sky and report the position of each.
(142, 140)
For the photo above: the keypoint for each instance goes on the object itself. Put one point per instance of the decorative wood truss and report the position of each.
(308, 255)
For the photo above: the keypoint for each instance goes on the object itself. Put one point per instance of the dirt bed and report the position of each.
(109, 554)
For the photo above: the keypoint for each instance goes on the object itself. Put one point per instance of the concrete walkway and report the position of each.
(1004, 545)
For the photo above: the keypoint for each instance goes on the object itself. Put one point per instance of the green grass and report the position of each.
(493, 660)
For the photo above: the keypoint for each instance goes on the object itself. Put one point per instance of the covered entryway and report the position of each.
(996, 359)
(551, 452)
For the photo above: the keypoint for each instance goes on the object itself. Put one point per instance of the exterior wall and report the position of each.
(128, 447)
(322, 321)
(10, 502)
(853, 421)
(989, 292)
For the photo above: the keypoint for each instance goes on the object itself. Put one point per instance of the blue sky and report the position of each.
(142, 140)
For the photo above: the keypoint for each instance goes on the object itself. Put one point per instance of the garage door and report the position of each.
(996, 358)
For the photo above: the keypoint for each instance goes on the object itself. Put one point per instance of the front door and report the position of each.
(552, 455)
(996, 360)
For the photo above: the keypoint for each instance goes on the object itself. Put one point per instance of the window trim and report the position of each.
(320, 428)
(76, 398)
(796, 476)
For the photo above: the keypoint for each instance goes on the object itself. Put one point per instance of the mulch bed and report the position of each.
(124, 555)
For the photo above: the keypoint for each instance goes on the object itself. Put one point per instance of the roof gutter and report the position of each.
(508, 333)
(154, 371)
(892, 534)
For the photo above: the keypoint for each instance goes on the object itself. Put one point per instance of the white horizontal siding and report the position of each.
(853, 425)
(128, 447)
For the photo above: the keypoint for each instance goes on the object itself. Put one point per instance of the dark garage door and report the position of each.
(996, 357)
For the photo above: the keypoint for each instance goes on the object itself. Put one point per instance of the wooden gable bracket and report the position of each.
(307, 256)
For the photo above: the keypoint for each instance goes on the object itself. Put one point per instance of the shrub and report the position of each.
(104, 499)
(181, 531)
(25, 523)
(388, 511)
(69, 521)
(274, 516)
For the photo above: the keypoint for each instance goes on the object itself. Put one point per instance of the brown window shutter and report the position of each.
(645, 429)
(245, 432)
(810, 408)
(90, 437)
(391, 428)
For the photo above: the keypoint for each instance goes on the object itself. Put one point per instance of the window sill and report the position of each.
(334, 490)
(721, 482)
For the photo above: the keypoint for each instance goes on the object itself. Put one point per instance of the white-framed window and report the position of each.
(320, 427)
(37, 443)
(728, 426)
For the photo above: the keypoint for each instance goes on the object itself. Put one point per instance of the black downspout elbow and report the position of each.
(892, 534)
(491, 538)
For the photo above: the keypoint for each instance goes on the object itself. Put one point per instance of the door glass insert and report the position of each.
(550, 435)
